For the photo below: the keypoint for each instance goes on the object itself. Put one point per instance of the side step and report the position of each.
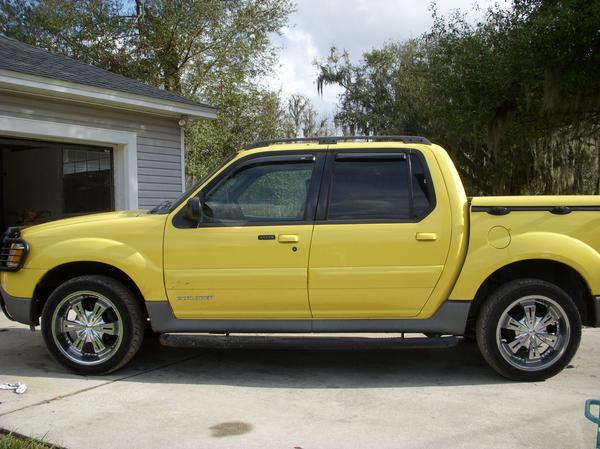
(352, 343)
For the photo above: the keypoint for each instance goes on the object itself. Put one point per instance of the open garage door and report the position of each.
(44, 181)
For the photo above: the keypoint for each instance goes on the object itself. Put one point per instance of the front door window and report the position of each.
(261, 193)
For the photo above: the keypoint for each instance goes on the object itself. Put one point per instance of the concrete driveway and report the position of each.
(281, 397)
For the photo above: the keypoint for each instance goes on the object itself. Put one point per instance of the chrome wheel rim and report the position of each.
(87, 328)
(533, 333)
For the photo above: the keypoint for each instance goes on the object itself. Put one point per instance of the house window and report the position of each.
(82, 161)
(87, 180)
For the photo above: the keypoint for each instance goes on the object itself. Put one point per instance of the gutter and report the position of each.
(50, 87)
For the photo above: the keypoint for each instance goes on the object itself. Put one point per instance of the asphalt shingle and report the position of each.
(23, 58)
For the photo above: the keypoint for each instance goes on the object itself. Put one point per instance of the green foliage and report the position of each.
(90, 31)
(11, 442)
(382, 93)
(183, 46)
(246, 114)
(515, 98)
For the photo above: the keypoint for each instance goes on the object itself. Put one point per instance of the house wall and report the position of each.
(158, 138)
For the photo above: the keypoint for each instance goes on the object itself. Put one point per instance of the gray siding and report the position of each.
(158, 138)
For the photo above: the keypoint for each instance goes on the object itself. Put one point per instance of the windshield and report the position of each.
(168, 206)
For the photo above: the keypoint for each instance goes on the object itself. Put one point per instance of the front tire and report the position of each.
(92, 324)
(528, 330)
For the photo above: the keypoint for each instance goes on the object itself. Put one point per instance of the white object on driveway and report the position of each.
(18, 388)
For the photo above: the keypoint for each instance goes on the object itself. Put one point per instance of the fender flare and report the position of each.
(484, 261)
(138, 267)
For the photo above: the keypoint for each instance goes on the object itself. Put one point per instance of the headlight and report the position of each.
(15, 255)
(13, 250)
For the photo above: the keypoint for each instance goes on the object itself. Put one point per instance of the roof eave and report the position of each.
(39, 85)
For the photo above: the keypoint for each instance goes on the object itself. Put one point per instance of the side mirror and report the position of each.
(193, 209)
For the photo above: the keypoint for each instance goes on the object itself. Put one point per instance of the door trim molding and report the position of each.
(450, 318)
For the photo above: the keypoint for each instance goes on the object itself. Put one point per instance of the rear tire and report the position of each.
(528, 330)
(93, 324)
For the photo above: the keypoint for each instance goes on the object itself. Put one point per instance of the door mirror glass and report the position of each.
(193, 209)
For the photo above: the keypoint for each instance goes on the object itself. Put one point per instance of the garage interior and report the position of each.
(45, 181)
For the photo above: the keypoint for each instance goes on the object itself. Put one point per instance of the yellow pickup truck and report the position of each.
(333, 234)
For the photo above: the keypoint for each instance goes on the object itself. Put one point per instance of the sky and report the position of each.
(353, 25)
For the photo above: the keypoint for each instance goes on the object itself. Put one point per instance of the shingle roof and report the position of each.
(19, 57)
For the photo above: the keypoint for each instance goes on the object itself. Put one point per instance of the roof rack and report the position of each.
(335, 139)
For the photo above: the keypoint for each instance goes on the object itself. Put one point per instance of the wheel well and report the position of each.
(556, 273)
(58, 275)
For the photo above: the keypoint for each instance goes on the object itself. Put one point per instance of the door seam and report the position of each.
(312, 233)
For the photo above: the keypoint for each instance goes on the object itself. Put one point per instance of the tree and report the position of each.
(296, 107)
(247, 114)
(302, 120)
(382, 93)
(313, 125)
(183, 46)
(515, 98)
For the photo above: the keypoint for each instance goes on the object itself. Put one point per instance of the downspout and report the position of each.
(183, 123)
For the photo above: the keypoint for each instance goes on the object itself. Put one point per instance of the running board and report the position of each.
(263, 342)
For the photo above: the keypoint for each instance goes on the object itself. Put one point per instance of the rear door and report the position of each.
(381, 238)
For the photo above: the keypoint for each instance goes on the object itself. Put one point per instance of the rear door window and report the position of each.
(422, 188)
(384, 187)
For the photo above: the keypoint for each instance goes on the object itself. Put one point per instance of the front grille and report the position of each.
(13, 250)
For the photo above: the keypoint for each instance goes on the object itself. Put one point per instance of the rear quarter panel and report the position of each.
(496, 241)
(451, 196)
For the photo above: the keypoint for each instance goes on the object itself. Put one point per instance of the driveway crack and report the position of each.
(109, 382)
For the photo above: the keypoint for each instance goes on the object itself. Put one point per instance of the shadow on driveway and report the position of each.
(255, 363)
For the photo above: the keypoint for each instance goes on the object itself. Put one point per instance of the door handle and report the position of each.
(426, 236)
(288, 238)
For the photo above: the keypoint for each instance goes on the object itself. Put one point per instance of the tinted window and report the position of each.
(422, 188)
(370, 188)
(259, 193)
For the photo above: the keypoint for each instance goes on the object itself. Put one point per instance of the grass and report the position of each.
(11, 441)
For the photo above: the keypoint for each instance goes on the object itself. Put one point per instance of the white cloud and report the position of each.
(296, 73)
(354, 25)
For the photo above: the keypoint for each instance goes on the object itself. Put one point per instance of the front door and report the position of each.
(380, 241)
(248, 256)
